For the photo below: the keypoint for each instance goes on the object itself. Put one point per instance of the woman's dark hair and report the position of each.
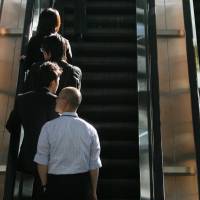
(48, 72)
(56, 46)
(49, 21)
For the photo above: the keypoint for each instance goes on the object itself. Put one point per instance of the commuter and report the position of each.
(49, 23)
(31, 111)
(68, 152)
(53, 50)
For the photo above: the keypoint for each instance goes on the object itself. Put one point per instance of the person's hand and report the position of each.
(43, 190)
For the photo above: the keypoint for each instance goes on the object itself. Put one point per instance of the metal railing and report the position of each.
(151, 169)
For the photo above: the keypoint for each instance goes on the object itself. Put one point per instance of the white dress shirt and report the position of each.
(68, 145)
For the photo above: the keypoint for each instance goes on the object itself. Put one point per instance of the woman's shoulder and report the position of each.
(64, 63)
(61, 36)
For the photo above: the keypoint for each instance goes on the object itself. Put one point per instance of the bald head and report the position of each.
(69, 100)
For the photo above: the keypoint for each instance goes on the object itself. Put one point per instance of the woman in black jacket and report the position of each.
(49, 24)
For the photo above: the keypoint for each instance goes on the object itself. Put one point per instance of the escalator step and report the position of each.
(107, 56)
(94, 66)
(107, 7)
(103, 49)
(110, 80)
(118, 168)
(108, 96)
(119, 149)
(119, 131)
(118, 188)
(105, 35)
(106, 113)
(103, 62)
(107, 21)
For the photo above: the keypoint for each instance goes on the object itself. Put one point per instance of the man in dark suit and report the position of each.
(31, 111)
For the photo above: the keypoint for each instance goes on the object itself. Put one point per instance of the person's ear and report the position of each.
(47, 55)
(53, 86)
(57, 29)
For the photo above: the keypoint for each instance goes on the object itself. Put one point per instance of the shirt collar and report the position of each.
(72, 114)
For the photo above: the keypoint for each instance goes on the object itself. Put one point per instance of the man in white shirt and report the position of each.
(68, 152)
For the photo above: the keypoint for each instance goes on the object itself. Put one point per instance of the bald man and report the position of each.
(68, 152)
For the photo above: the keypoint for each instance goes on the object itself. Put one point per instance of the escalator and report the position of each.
(120, 92)
(115, 59)
(104, 47)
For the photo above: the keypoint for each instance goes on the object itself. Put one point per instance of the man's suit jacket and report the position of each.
(31, 111)
(71, 76)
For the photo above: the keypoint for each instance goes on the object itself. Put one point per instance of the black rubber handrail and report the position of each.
(156, 140)
(150, 135)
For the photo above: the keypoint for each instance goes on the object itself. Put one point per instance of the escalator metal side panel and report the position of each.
(145, 181)
(150, 152)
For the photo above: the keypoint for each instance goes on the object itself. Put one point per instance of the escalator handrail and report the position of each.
(149, 112)
(15, 137)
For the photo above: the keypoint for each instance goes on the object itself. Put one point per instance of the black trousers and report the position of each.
(68, 187)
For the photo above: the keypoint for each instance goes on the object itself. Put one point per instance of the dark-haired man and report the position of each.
(31, 111)
(68, 152)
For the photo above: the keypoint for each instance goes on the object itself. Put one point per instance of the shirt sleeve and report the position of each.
(31, 82)
(95, 161)
(42, 155)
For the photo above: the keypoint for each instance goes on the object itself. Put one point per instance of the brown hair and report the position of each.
(49, 21)
(48, 72)
(56, 45)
